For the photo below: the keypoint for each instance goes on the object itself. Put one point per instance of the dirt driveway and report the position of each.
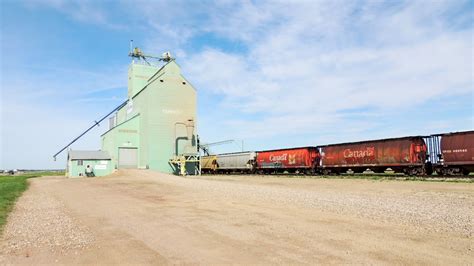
(140, 216)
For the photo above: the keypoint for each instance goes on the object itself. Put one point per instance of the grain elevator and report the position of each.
(156, 128)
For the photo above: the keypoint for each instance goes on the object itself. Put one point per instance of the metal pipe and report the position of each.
(96, 123)
(175, 139)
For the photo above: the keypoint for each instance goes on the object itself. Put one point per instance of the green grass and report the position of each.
(11, 187)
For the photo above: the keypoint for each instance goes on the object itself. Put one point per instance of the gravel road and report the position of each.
(144, 217)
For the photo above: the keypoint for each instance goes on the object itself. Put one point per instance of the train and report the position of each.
(444, 154)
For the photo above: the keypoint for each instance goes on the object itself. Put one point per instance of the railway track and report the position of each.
(365, 175)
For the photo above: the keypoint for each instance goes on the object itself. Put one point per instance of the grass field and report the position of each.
(11, 187)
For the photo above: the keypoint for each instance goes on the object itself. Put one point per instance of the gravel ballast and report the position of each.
(144, 217)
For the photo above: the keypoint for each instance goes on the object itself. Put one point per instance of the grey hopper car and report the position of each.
(243, 162)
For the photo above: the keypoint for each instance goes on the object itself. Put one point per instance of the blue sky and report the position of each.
(271, 73)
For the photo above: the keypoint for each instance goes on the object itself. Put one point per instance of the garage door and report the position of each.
(127, 158)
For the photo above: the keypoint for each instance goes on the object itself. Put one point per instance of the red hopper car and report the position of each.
(407, 155)
(301, 160)
(457, 153)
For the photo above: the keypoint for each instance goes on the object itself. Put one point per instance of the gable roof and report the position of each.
(172, 66)
(88, 155)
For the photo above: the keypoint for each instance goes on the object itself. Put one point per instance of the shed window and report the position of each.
(79, 162)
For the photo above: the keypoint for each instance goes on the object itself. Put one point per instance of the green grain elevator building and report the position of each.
(158, 121)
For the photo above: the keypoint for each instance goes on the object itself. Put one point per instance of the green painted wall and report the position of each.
(166, 100)
(100, 167)
(138, 76)
(169, 99)
(125, 134)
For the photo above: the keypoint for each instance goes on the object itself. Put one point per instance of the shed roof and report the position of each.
(88, 155)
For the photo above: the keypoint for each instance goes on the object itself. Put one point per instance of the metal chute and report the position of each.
(96, 123)
(205, 147)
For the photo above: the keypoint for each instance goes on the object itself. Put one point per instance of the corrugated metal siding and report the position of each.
(236, 160)
(209, 162)
(128, 158)
(160, 106)
(384, 152)
(458, 148)
(287, 158)
(124, 135)
(168, 102)
(88, 155)
(139, 77)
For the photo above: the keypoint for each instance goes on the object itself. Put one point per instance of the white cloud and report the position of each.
(85, 11)
(47, 107)
(32, 134)
(308, 60)
(308, 72)
(316, 58)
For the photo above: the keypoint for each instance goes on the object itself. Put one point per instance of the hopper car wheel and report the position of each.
(449, 171)
(445, 171)
(428, 168)
(465, 172)
(411, 171)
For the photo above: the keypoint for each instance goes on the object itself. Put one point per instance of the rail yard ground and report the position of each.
(140, 216)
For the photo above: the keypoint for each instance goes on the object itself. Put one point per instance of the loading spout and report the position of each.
(96, 123)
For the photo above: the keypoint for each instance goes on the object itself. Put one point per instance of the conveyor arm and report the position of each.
(96, 123)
